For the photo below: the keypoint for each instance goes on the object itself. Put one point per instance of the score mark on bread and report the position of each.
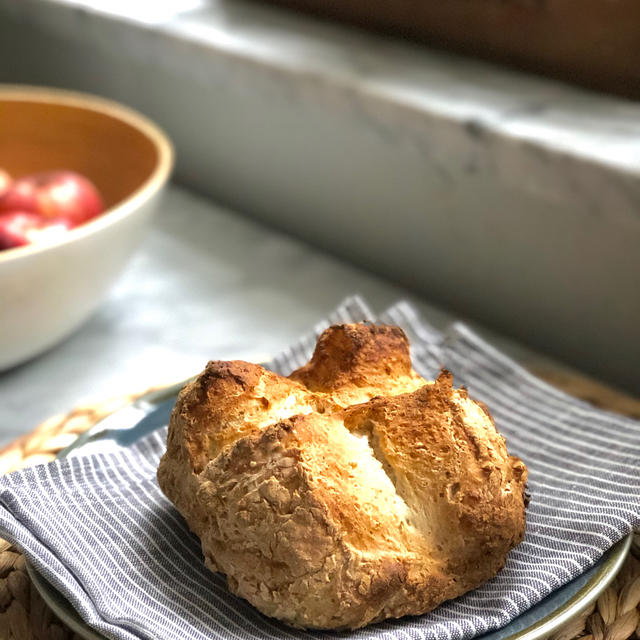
(351, 491)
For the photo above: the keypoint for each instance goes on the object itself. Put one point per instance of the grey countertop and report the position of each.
(206, 283)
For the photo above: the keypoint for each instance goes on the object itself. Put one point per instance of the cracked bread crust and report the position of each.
(352, 491)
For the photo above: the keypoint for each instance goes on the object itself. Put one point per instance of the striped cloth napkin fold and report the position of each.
(99, 529)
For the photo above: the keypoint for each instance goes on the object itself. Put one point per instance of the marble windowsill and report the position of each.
(508, 198)
(484, 98)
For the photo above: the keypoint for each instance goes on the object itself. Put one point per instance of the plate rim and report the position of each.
(583, 598)
(61, 606)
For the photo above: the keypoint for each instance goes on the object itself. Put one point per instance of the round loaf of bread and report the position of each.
(351, 491)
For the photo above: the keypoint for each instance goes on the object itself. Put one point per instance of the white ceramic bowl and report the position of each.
(47, 290)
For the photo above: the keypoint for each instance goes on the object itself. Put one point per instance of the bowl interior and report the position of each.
(41, 135)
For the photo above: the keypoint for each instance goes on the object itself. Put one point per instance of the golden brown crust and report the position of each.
(352, 363)
(227, 401)
(356, 355)
(450, 465)
(352, 491)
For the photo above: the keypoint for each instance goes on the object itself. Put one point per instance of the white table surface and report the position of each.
(206, 284)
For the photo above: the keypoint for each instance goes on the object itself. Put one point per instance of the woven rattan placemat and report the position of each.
(25, 616)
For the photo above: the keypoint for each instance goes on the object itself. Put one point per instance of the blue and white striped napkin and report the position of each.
(99, 529)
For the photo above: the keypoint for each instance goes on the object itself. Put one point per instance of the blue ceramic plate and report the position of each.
(152, 411)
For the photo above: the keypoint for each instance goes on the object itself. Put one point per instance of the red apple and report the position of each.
(54, 194)
(5, 182)
(19, 228)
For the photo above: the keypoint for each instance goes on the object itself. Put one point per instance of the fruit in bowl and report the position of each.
(40, 206)
(64, 194)
(20, 228)
(80, 178)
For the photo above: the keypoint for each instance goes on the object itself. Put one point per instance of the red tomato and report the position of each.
(20, 228)
(54, 194)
